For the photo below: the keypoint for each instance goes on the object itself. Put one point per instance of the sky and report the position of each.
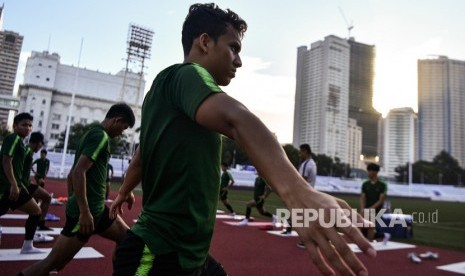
(402, 32)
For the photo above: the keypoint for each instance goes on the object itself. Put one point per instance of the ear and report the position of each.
(204, 41)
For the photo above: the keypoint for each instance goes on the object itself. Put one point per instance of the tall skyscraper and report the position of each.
(322, 97)
(441, 108)
(361, 72)
(398, 143)
(10, 50)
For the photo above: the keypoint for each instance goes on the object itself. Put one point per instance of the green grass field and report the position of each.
(448, 232)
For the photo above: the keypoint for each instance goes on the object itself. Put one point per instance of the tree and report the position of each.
(444, 169)
(3, 133)
(118, 145)
(231, 153)
(292, 154)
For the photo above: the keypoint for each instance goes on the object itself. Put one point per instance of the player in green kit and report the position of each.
(260, 193)
(183, 115)
(86, 213)
(226, 181)
(36, 141)
(43, 165)
(13, 195)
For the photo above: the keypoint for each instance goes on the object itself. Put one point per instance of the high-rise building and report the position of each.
(322, 97)
(355, 145)
(361, 76)
(49, 85)
(398, 143)
(441, 108)
(10, 50)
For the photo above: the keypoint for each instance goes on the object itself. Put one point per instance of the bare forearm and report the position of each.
(79, 189)
(9, 172)
(274, 165)
(133, 175)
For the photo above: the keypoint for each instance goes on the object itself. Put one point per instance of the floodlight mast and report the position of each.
(139, 46)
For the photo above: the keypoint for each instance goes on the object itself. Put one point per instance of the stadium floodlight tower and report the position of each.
(139, 46)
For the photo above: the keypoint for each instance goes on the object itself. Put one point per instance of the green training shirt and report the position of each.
(95, 145)
(180, 166)
(226, 177)
(42, 166)
(373, 192)
(26, 178)
(259, 187)
(13, 147)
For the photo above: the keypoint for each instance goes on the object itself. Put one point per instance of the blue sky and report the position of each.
(402, 32)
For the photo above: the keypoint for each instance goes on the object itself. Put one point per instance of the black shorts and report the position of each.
(132, 255)
(6, 203)
(224, 194)
(32, 188)
(101, 223)
(259, 202)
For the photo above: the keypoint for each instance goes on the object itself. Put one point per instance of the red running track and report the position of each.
(241, 250)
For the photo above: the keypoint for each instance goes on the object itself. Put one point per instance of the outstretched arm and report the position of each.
(223, 114)
(79, 186)
(132, 179)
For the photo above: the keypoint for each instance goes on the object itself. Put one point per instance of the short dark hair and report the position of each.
(373, 167)
(36, 137)
(306, 147)
(122, 110)
(22, 116)
(209, 19)
(43, 151)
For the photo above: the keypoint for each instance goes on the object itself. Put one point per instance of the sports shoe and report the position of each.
(51, 217)
(286, 232)
(429, 255)
(386, 238)
(243, 222)
(301, 244)
(31, 250)
(39, 237)
(414, 258)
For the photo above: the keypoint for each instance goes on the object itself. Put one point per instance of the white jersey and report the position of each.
(308, 171)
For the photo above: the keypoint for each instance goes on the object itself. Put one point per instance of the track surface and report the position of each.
(241, 250)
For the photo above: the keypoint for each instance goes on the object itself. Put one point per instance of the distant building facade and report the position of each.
(361, 77)
(441, 108)
(10, 50)
(398, 143)
(48, 87)
(322, 97)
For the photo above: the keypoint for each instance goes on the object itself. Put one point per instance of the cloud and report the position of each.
(269, 97)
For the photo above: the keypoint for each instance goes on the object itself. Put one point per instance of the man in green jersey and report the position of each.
(36, 141)
(43, 165)
(13, 195)
(260, 193)
(372, 197)
(86, 213)
(183, 115)
(226, 181)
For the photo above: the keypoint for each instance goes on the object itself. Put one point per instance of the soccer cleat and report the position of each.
(414, 258)
(39, 237)
(301, 244)
(429, 255)
(243, 222)
(286, 232)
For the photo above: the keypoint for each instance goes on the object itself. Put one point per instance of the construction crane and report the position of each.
(350, 25)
